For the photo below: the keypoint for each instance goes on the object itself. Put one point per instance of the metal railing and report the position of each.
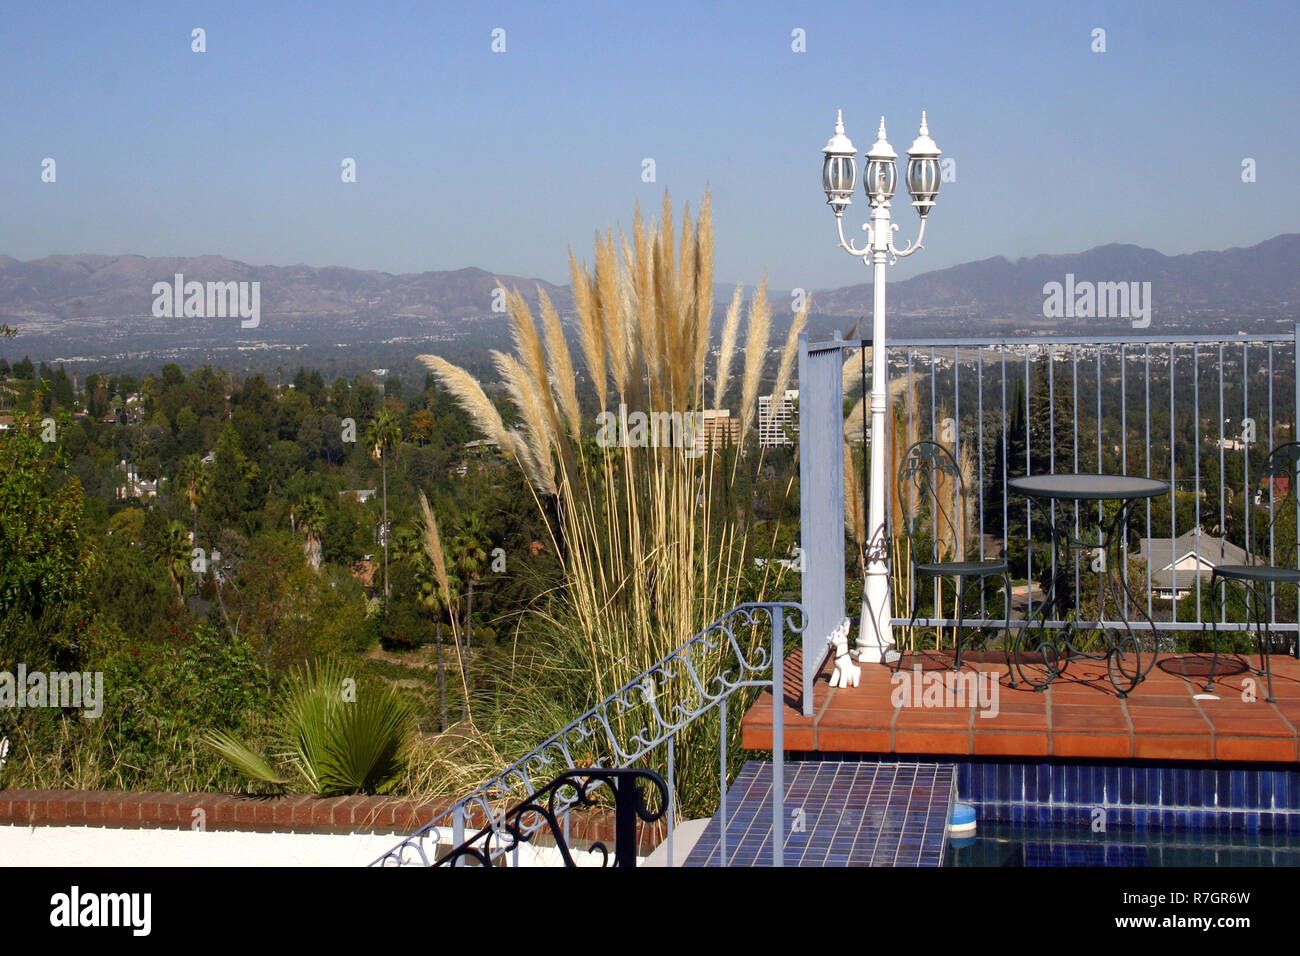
(1199, 411)
(537, 813)
(630, 724)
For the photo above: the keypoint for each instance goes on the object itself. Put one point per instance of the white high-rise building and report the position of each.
(776, 422)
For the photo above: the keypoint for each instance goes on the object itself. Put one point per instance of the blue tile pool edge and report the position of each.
(1139, 795)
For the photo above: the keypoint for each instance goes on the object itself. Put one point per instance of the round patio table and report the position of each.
(1054, 632)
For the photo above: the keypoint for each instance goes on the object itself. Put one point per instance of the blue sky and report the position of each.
(466, 157)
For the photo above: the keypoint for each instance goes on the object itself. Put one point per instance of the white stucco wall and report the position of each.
(111, 846)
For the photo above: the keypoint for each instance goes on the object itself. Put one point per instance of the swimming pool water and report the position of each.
(1007, 845)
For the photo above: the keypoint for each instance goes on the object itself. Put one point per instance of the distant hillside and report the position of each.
(91, 304)
(77, 287)
(1263, 278)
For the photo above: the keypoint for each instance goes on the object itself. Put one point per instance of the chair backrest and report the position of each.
(1276, 485)
(932, 500)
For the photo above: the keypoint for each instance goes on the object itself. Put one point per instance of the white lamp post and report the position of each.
(875, 636)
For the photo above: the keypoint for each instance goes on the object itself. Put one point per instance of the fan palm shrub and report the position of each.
(330, 736)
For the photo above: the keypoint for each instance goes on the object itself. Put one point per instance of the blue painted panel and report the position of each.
(821, 501)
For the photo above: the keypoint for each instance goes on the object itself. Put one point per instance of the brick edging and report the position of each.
(284, 814)
(177, 811)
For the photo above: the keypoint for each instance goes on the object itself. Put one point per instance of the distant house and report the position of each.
(134, 486)
(6, 422)
(479, 449)
(361, 494)
(209, 459)
(1281, 487)
(1176, 564)
(134, 410)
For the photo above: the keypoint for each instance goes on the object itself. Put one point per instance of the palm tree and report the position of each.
(311, 521)
(469, 558)
(447, 589)
(175, 553)
(193, 478)
(409, 545)
(384, 433)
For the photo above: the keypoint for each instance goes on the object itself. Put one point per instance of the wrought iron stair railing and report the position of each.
(630, 723)
(522, 823)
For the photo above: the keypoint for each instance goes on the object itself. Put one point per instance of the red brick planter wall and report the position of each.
(289, 814)
(175, 811)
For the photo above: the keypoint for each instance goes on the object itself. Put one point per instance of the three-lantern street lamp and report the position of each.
(839, 177)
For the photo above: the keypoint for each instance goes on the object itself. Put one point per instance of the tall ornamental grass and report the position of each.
(654, 538)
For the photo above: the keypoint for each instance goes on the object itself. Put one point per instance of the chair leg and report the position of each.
(911, 624)
(1215, 607)
(1006, 641)
(1259, 638)
(961, 617)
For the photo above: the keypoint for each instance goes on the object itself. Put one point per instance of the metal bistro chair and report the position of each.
(933, 496)
(1255, 577)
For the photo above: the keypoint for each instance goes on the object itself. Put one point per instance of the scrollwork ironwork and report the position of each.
(542, 810)
(605, 731)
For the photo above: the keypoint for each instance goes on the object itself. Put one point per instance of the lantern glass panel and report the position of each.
(847, 173)
(838, 174)
(881, 179)
(923, 178)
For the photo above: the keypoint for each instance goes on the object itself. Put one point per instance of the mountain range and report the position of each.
(1261, 279)
(79, 287)
(70, 296)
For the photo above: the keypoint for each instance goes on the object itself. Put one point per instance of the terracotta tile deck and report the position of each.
(1080, 715)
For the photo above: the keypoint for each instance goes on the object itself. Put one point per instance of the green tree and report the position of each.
(45, 561)
(422, 426)
(230, 484)
(287, 611)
